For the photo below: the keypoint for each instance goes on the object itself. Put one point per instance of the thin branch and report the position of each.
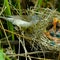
(5, 38)
(3, 9)
(30, 57)
(29, 53)
(5, 35)
(28, 38)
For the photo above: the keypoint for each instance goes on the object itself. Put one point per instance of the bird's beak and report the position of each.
(55, 20)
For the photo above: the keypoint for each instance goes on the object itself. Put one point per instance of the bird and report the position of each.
(58, 33)
(55, 20)
(53, 32)
(52, 26)
(16, 20)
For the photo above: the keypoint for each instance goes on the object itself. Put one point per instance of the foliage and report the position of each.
(8, 13)
(35, 32)
(2, 55)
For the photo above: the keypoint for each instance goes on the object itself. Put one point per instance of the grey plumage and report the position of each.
(16, 20)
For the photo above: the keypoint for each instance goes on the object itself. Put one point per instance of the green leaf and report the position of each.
(8, 12)
(2, 57)
(39, 3)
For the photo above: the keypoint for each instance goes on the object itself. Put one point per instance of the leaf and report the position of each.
(2, 57)
(8, 12)
(39, 3)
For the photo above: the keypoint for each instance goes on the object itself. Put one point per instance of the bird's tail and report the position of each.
(6, 18)
(1, 17)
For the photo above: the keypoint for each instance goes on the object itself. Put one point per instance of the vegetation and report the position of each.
(30, 43)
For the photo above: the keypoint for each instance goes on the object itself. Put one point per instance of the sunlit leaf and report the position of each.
(2, 57)
(8, 12)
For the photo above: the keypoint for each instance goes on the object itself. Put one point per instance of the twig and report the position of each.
(23, 46)
(30, 57)
(5, 38)
(11, 42)
(36, 4)
(29, 53)
(59, 56)
(15, 8)
(28, 38)
(3, 10)
(5, 35)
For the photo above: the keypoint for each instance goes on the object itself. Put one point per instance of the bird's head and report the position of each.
(35, 19)
(55, 20)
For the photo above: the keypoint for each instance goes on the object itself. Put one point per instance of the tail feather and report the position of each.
(1, 17)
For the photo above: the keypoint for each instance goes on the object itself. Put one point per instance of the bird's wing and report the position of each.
(21, 23)
(16, 20)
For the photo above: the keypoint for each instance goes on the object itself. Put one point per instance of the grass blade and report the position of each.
(8, 12)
